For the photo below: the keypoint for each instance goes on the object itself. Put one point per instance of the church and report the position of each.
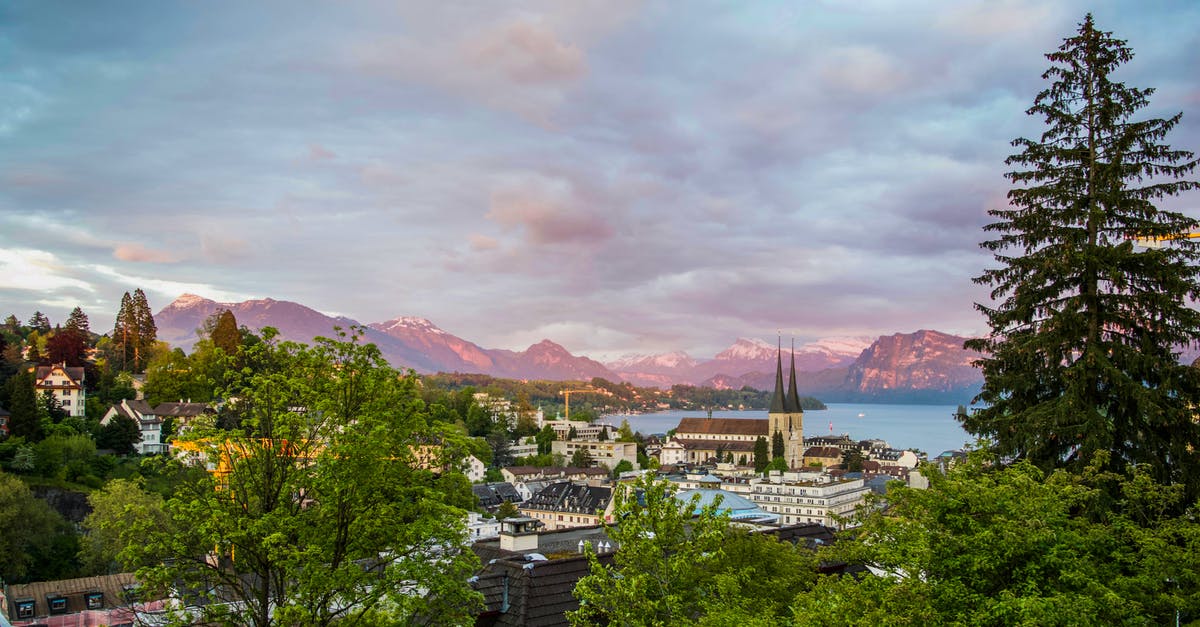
(697, 440)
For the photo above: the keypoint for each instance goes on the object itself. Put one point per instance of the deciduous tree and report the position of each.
(1085, 333)
(340, 502)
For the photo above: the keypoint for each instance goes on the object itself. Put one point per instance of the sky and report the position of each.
(620, 177)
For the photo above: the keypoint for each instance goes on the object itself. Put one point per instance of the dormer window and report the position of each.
(58, 604)
(94, 600)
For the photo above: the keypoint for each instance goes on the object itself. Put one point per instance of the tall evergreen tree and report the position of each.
(24, 419)
(147, 332)
(1082, 355)
(125, 331)
(225, 334)
(39, 322)
(760, 454)
(78, 321)
(777, 445)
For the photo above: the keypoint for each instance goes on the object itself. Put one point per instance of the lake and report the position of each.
(930, 428)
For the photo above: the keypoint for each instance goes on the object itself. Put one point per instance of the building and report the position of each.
(65, 384)
(565, 504)
(822, 456)
(103, 600)
(491, 495)
(526, 474)
(583, 430)
(605, 453)
(697, 440)
(809, 497)
(147, 420)
(4, 416)
(738, 508)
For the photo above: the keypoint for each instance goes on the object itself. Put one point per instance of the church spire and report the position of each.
(792, 402)
(778, 402)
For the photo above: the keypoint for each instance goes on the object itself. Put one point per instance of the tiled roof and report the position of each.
(823, 451)
(493, 494)
(112, 587)
(76, 373)
(723, 426)
(569, 497)
(538, 593)
(184, 410)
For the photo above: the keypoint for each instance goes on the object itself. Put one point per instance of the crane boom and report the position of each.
(567, 396)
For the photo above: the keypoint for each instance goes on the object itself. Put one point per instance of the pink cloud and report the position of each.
(527, 52)
(545, 218)
(483, 242)
(140, 254)
(317, 152)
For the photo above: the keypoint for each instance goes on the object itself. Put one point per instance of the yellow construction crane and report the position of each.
(567, 395)
(1156, 241)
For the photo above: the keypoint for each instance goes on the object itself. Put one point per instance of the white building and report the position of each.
(148, 422)
(603, 452)
(65, 384)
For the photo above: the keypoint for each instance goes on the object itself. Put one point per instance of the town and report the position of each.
(557, 487)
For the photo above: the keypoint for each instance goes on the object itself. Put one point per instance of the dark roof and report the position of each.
(719, 426)
(823, 451)
(565, 496)
(538, 593)
(75, 372)
(791, 404)
(778, 403)
(112, 587)
(493, 494)
(555, 471)
(182, 410)
(4, 412)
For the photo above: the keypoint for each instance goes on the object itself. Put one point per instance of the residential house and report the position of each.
(564, 505)
(525, 474)
(65, 384)
(491, 495)
(147, 420)
(822, 456)
(4, 416)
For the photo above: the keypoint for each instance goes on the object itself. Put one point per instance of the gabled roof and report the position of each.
(823, 451)
(181, 409)
(722, 426)
(75, 373)
(570, 497)
(535, 593)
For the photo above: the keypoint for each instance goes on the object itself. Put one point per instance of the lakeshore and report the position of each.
(929, 428)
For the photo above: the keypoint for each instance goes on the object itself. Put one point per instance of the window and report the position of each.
(25, 608)
(94, 600)
(66, 402)
(58, 605)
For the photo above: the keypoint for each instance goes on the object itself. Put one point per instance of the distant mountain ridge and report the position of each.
(924, 366)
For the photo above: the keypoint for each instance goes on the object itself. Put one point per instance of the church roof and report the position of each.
(778, 401)
(722, 426)
(791, 403)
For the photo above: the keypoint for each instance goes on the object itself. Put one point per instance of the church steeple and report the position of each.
(778, 401)
(792, 402)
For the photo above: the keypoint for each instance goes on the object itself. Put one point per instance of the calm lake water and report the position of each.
(930, 428)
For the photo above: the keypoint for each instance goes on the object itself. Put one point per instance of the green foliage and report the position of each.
(777, 448)
(122, 514)
(1015, 546)
(625, 432)
(225, 334)
(673, 568)
(507, 510)
(134, 333)
(581, 458)
(24, 420)
(120, 435)
(33, 538)
(330, 471)
(779, 463)
(853, 460)
(761, 455)
(545, 439)
(1082, 355)
(622, 466)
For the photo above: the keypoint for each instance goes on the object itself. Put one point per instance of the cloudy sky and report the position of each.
(616, 176)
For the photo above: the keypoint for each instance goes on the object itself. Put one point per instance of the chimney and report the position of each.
(519, 534)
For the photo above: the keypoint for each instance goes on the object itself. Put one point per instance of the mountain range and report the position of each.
(924, 366)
